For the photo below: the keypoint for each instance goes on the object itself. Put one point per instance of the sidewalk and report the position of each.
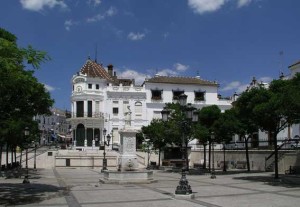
(80, 187)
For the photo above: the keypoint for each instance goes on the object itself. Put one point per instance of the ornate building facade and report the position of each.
(100, 101)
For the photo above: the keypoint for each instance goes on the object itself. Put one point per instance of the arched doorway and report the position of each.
(80, 135)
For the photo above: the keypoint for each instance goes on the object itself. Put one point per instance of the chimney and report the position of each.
(110, 70)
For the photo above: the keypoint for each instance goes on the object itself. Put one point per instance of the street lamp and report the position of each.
(213, 175)
(26, 134)
(224, 149)
(190, 116)
(34, 164)
(148, 151)
(106, 143)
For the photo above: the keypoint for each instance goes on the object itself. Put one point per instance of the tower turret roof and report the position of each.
(94, 69)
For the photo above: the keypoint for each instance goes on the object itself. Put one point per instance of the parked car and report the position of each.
(291, 143)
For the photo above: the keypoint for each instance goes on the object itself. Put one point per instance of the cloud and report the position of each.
(69, 23)
(242, 3)
(231, 86)
(111, 12)
(136, 36)
(239, 87)
(98, 17)
(206, 6)
(175, 71)
(202, 6)
(167, 72)
(235, 86)
(49, 88)
(38, 5)
(132, 74)
(180, 67)
(94, 3)
(95, 18)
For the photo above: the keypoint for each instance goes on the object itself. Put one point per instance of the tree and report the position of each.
(207, 117)
(21, 95)
(225, 128)
(203, 135)
(181, 128)
(247, 124)
(156, 132)
(272, 109)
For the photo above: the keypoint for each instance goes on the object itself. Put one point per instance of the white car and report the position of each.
(291, 143)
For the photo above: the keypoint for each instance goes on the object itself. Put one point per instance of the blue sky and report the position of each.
(229, 41)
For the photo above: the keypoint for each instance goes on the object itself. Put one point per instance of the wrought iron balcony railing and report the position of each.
(88, 115)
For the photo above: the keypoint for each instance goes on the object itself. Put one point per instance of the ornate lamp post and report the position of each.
(224, 149)
(34, 164)
(213, 174)
(190, 116)
(26, 134)
(106, 143)
(148, 151)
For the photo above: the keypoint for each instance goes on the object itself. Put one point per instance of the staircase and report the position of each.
(39, 150)
(270, 160)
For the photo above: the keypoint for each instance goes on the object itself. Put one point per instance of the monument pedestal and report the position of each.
(126, 177)
(127, 160)
(128, 171)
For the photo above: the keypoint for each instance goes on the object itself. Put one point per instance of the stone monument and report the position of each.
(127, 160)
(128, 171)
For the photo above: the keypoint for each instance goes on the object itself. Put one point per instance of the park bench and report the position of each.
(221, 164)
(241, 165)
(293, 170)
(173, 162)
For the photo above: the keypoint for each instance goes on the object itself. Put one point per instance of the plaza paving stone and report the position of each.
(63, 187)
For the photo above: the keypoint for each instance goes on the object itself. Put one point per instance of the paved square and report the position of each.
(80, 187)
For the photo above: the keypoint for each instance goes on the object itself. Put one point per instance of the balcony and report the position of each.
(156, 99)
(88, 115)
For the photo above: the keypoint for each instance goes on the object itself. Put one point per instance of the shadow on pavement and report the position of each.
(270, 180)
(19, 193)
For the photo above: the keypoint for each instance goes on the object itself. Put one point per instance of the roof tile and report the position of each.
(93, 69)
(180, 80)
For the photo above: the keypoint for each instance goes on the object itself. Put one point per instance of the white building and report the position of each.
(99, 101)
(54, 127)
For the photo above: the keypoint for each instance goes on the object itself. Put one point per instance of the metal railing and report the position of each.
(88, 115)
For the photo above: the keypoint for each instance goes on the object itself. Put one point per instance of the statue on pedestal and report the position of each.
(128, 118)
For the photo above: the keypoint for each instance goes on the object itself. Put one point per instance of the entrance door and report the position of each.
(80, 135)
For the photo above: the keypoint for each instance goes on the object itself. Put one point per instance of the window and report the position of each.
(90, 108)
(97, 86)
(199, 95)
(156, 94)
(115, 110)
(79, 108)
(176, 94)
(97, 106)
(90, 86)
(138, 109)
